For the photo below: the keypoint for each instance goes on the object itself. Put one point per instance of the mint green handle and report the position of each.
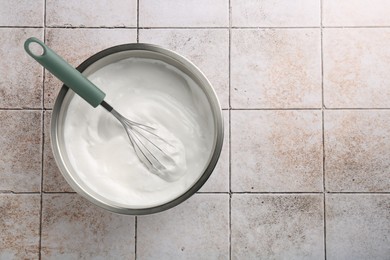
(66, 73)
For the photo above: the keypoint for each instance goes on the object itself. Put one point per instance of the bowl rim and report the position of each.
(214, 104)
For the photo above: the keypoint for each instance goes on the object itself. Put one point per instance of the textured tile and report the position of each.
(89, 13)
(277, 226)
(53, 181)
(219, 179)
(357, 149)
(357, 226)
(21, 75)
(189, 13)
(276, 151)
(276, 13)
(356, 67)
(73, 228)
(356, 13)
(21, 13)
(20, 149)
(207, 48)
(276, 68)
(76, 45)
(19, 226)
(196, 229)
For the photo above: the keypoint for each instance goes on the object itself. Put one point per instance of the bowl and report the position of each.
(113, 55)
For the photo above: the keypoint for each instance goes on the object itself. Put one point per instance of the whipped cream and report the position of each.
(149, 92)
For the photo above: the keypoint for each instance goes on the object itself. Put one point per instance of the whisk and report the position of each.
(142, 137)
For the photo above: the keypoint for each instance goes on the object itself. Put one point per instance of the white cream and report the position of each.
(149, 92)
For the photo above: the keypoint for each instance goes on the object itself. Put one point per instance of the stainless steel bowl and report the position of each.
(112, 55)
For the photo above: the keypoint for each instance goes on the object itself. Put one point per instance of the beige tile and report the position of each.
(196, 229)
(276, 151)
(21, 13)
(76, 45)
(207, 48)
(219, 179)
(21, 76)
(276, 13)
(19, 226)
(277, 226)
(189, 13)
(73, 228)
(356, 12)
(357, 150)
(53, 181)
(276, 68)
(89, 13)
(20, 149)
(357, 226)
(356, 67)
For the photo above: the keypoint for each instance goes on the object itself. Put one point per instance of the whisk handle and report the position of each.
(65, 72)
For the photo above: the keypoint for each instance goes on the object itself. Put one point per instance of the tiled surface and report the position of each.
(356, 148)
(197, 229)
(20, 149)
(304, 170)
(358, 226)
(21, 77)
(275, 68)
(277, 226)
(276, 151)
(208, 49)
(21, 13)
(73, 228)
(90, 13)
(356, 13)
(275, 13)
(356, 65)
(19, 226)
(178, 13)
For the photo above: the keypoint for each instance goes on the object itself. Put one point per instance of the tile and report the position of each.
(89, 13)
(206, 48)
(356, 13)
(276, 13)
(20, 149)
(76, 45)
(357, 149)
(276, 151)
(357, 226)
(219, 179)
(21, 13)
(21, 75)
(277, 226)
(196, 229)
(276, 68)
(53, 181)
(189, 13)
(74, 228)
(19, 226)
(356, 65)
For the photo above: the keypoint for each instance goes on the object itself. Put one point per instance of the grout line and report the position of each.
(230, 132)
(43, 137)
(196, 27)
(19, 192)
(135, 236)
(22, 108)
(137, 21)
(323, 126)
(218, 193)
(225, 109)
